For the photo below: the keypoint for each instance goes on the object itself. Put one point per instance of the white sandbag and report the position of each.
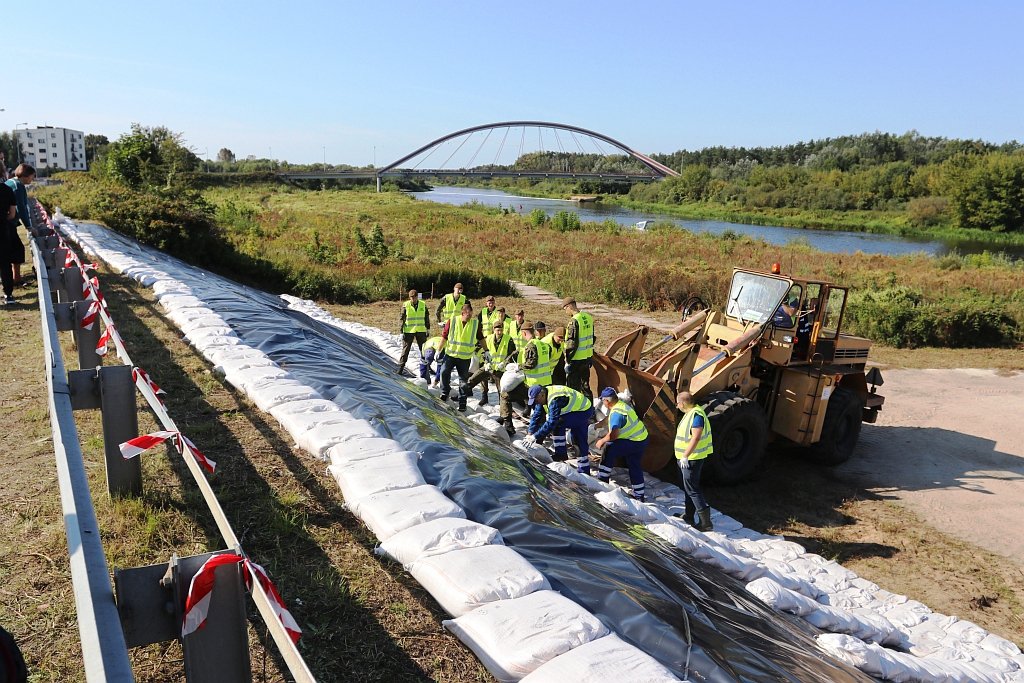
(268, 397)
(512, 638)
(313, 405)
(389, 512)
(488, 422)
(366, 477)
(298, 423)
(511, 378)
(908, 614)
(249, 378)
(233, 365)
(602, 660)
(361, 448)
(209, 320)
(318, 440)
(215, 340)
(437, 537)
(173, 301)
(200, 333)
(617, 500)
(180, 316)
(999, 645)
(235, 353)
(888, 665)
(570, 472)
(464, 580)
(683, 538)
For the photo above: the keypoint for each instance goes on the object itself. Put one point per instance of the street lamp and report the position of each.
(325, 159)
(17, 140)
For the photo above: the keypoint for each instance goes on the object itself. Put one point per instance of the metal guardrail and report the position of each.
(106, 630)
(104, 652)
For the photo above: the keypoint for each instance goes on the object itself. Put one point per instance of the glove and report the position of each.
(487, 356)
(529, 441)
(684, 464)
(487, 366)
(567, 366)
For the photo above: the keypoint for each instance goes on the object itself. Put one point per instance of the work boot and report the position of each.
(501, 421)
(444, 397)
(511, 431)
(483, 401)
(704, 520)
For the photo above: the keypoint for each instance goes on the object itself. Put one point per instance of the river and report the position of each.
(834, 241)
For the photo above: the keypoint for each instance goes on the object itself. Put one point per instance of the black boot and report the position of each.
(483, 400)
(704, 520)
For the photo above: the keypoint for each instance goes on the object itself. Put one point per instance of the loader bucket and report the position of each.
(653, 400)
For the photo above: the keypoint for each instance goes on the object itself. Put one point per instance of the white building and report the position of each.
(52, 148)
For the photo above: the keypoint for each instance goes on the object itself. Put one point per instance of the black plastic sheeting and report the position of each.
(649, 592)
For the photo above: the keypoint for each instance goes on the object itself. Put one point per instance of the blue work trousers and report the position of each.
(695, 500)
(633, 453)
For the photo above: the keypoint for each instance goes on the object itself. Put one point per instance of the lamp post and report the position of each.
(17, 140)
(325, 159)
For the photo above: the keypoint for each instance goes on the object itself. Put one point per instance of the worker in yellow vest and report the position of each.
(527, 359)
(462, 337)
(451, 304)
(557, 408)
(498, 351)
(579, 346)
(513, 326)
(626, 440)
(556, 340)
(414, 325)
(433, 354)
(488, 315)
(692, 447)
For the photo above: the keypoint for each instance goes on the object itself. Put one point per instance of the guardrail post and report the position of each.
(70, 286)
(151, 603)
(112, 390)
(86, 340)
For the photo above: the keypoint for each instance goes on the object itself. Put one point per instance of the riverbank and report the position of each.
(356, 246)
(894, 223)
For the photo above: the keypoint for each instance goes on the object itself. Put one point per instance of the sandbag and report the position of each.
(437, 537)
(318, 440)
(361, 479)
(511, 378)
(464, 580)
(512, 638)
(571, 473)
(283, 391)
(247, 379)
(607, 659)
(312, 405)
(363, 447)
(389, 512)
(619, 501)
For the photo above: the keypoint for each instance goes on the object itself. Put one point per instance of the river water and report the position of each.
(835, 241)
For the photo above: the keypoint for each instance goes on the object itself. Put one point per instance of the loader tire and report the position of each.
(739, 435)
(840, 430)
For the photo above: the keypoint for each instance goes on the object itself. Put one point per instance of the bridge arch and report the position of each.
(658, 169)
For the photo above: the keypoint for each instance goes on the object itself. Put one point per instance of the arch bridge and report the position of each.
(478, 151)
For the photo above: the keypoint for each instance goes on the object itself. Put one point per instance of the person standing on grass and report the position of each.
(462, 337)
(415, 324)
(24, 175)
(626, 440)
(579, 347)
(8, 210)
(450, 304)
(498, 349)
(693, 446)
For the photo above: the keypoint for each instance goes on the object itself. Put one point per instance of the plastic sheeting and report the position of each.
(653, 595)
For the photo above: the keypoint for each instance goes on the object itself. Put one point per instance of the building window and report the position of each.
(28, 134)
(53, 144)
(54, 155)
(30, 144)
(53, 135)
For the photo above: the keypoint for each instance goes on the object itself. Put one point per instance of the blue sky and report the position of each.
(289, 79)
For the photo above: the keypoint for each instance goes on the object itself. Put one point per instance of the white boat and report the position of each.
(642, 225)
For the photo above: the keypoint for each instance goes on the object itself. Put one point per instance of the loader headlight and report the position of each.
(788, 338)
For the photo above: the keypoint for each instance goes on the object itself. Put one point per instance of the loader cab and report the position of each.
(819, 321)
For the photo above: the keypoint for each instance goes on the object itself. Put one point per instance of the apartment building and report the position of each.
(52, 148)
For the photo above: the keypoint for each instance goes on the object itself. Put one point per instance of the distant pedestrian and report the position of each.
(415, 324)
(3, 167)
(579, 346)
(692, 447)
(626, 440)
(24, 175)
(8, 210)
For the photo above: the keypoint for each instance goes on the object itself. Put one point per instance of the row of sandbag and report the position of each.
(858, 615)
(504, 608)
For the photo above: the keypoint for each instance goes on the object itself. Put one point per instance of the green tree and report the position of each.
(986, 192)
(95, 145)
(225, 155)
(149, 157)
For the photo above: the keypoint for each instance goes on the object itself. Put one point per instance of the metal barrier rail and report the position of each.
(106, 654)
(104, 651)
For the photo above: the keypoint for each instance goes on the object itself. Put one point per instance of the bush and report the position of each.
(927, 211)
(565, 221)
(538, 217)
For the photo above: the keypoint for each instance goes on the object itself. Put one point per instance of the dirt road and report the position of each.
(950, 446)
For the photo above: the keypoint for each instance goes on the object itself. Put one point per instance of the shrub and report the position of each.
(565, 221)
(927, 211)
(538, 217)
(375, 249)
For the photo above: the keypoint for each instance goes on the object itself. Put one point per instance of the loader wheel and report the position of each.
(739, 434)
(841, 428)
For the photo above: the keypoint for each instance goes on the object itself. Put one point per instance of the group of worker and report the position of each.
(556, 388)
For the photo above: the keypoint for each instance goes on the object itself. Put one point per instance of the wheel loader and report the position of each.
(773, 366)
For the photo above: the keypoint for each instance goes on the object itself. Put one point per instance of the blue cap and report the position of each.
(534, 393)
(608, 392)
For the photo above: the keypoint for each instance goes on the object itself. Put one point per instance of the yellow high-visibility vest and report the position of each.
(462, 338)
(415, 318)
(584, 336)
(703, 448)
(634, 429)
(499, 351)
(578, 401)
(542, 373)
